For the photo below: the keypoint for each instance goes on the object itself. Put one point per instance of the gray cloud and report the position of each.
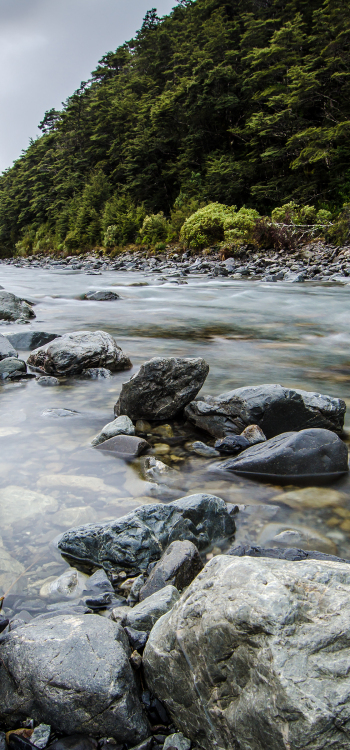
(47, 47)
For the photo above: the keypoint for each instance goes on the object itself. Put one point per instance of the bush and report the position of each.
(268, 235)
(155, 228)
(121, 221)
(339, 233)
(218, 223)
(239, 228)
(293, 213)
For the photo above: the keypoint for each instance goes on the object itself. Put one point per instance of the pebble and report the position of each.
(41, 736)
(202, 449)
(161, 449)
(47, 380)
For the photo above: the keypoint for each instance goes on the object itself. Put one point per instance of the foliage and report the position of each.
(216, 103)
(218, 223)
(155, 228)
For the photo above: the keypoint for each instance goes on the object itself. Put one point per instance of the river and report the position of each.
(248, 332)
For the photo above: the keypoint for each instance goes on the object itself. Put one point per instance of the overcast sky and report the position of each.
(47, 47)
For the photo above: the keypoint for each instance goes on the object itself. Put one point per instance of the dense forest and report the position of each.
(241, 103)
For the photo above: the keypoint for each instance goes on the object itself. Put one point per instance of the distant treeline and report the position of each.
(241, 103)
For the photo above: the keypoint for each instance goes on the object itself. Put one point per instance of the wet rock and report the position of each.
(293, 554)
(132, 542)
(232, 444)
(309, 455)
(124, 446)
(70, 585)
(47, 381)
(18, 503)
(102, 296)
(178, 566)
(161, 388)
(203, 450)
(18, 742)
(137, 638)
(311, 497)
(4, 621)
(10, 569)
(120, 426)
(31, 339)
(72, 353)
(246, 648)
(142, 426)
(145, 614)
(293, 535)
(273, 408)
(99, 580)
(96, 373)
(73, 673)
(145, 745)
(75, 742)
(156, 471)
(253, 434)
(177, 742)
(2, 741)
(56, 413)
(41, 736)
(6, 348)
(13, 308)
(11, 367)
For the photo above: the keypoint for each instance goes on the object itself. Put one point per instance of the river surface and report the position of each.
(248, 332)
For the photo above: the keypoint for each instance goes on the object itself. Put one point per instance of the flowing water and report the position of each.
(248, 332)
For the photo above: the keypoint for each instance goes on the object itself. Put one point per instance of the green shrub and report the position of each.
(218, 223)
(339, 233)
(155, 228)
(121, 221)
(293, 213)
(239, 228)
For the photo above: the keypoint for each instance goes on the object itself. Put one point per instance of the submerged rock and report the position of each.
(11, 367)
(161, 388)
(31, 339)
(232, 444)
(308, 455)
(73, 673)
(202, 449)
(47, 381)
(124, 446)
(273, 408)
(248, 653)
(120, 426)
(6, 348)
(102, 296)
(13, 308)
(72, 353)
(132, 542)
(96, 373)
(179, 565)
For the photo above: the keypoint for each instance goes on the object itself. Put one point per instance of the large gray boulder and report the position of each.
(255, 656)
(132, 542)
(308, 455)
(29, 340)
(13, 308)
(72, 353)
(6, 348)
(72, 672)
(161, 388)
(273, 408)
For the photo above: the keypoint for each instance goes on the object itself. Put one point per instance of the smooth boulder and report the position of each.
(255, 656)
(73, 673)
(6, 348)
(161, 388)
(120, 426)
(309, 455)
(178, 566)
(13, 308)
(29, 340)
(11, 367)
(273, 408)
(102, 296)
(132, 542)
(124, 446)
(72, 353)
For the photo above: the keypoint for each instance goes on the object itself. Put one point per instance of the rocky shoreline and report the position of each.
(164, 633)
(315, 262)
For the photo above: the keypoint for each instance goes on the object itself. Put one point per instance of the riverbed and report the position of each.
(249, 333)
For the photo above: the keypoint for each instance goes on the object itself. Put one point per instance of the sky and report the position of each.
(47, 47)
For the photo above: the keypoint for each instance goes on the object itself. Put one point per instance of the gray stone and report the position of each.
(124, 446)
(254, 434)
(255, 655)
(74, 352)
(178, 566)
(6, 348)
(132, 542)
(177, 742)
(120, 426)
(312, 454)
(57, 413)
(292, 554)
(161, 388)
(105, 296)
(99, 580)
(273, 408)
(96, 373)
(47, 381)
(73, 673)
(232, 444)
(145, 614)
(13, 308)
(31, 339)
(41, 736)
(11, 366)
(204, 450)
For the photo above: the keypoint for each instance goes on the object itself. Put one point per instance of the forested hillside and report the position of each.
(241, 102)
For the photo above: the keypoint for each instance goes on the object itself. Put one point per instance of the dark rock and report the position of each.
(100, 601)
(145, 745)
(161, 388)
(124, 446)
(6, 348)
(131, 543)
(254, 434)
(31, 339)
(145, 614)
(74, 742)
(2, 741)
(179, 565)
(96, 373)
(13, 308)
(137, 638)
(177, 742)
(232, 444)
(47, 381)
(18, 742)
(308, 455)
(101, 296)
(72, 353)
(73, 673)
(3, 623)
(291, 553)
(99, 580)
(11, 367)
(273, 408)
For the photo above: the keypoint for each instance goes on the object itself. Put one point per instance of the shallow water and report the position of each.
(249, 333)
